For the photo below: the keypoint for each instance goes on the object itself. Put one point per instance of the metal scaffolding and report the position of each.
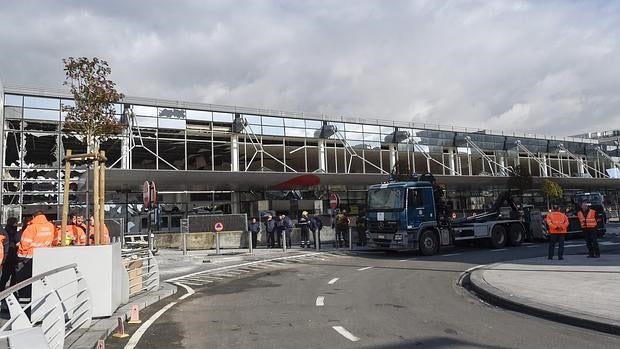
(580, 160)
(540, 162)
(506, 170)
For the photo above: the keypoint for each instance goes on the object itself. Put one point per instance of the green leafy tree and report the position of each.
(93, 115)
(520, 180)
(551, 190)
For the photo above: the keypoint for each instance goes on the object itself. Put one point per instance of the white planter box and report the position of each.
(101, 267)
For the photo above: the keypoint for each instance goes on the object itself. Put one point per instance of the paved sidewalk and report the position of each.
(578, 290)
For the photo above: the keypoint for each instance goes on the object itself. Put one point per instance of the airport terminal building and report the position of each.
(236, 159)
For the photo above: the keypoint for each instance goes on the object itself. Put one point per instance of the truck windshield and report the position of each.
(386, 199)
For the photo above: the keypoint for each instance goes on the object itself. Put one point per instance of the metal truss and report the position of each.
(353, 154)
(506, 170)
(607, 157)
(538, 160)
(258, 147)
(579, 160)
(412, 141)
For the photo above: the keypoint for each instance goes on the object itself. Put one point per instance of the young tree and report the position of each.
(551, 190)
(93, 115)
(520, 180)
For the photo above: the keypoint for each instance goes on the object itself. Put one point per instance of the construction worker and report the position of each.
(38, 233)
(10, 253)
(558, 225)
(75, 234)
(105, 233)
(341, 224)
(588, 220)
(304, 224)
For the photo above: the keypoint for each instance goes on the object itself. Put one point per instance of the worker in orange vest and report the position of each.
(558, 226)
(588, 220)
(38, 233)
(105, 233)
(75, 234)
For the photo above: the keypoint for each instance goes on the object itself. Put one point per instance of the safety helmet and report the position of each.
(304, 213)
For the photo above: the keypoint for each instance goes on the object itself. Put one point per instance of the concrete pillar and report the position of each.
(543, 168)
(451, 162)
(234, 152)
(235, 204)
(581, 169)
(125, 153)
(322, 162)
(392, 156)
(502, 163)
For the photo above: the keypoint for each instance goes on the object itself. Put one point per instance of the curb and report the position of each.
(475, 282)
(102, 328)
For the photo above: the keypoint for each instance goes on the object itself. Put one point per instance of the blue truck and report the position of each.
(412, 214)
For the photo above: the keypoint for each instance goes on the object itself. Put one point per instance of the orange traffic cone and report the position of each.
(101, 344)
(120, 329)
(135, 315)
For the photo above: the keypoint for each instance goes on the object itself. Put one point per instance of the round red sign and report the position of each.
(334, 201)
(153, 195)
(146, 194)
(218, 226)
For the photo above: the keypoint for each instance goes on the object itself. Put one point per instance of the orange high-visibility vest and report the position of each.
(589, 221)
(105, 235)
(557, 222)
(38, 233)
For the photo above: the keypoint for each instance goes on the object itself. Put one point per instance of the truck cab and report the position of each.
(398, 212)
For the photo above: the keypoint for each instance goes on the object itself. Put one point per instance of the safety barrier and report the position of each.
(143, 270)
(57, 311)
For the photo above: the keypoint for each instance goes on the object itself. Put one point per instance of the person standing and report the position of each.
(270, 228)
(342, 227)
(287, 227)
(304, 224)
(38, 233)
(10, 254)
(588, 220)
(315, 226)
(254, 229)
(558, 225)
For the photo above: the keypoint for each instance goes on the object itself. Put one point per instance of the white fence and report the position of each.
(143, 270)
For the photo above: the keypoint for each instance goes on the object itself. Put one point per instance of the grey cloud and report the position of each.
(541, 67)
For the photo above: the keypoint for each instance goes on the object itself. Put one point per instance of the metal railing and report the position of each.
(142, 269)
(58, 310)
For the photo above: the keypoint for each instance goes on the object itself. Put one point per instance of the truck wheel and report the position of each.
(429, 243)
(516, 234)
(498, 236)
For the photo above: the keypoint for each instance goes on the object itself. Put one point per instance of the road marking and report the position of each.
(450, 255)
(346, 334)
(499, 249)
(320, 301)
(609, 243)
(364, 268)
(332, 281)
(577, 245)
(530, 246)
(527, 243)
(403, 260)
(190, 291)
(135, 338)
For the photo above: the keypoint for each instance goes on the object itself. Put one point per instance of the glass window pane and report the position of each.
(252, 119)
(172, 123)
(372, 137)
(67, 103)
(198, 115)
(42, 102)
(354, 127)
(354, 135)
(314, 124)
(41, 114)
(13, 112)
(172, 113)
(313, 133)
(339, 126)
(13, 100)
(295, 132)
(386, 130)
(372, 144)
(222, 117)
(372, 129)
(144, 110)
(294, 122)
(273, 131)
(272, 121)
(146, 122)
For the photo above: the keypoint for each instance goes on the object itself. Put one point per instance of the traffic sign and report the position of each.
(334, 201)
(146, 194)
(153, 195)
(218, 226)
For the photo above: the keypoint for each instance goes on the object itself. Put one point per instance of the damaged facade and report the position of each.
(189, 137)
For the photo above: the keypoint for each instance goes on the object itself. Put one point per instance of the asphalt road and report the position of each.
(369, 300)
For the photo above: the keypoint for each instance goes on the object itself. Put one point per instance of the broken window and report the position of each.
(112, 148)
(41, 149)
(11, 199)
(40, 126)
(13, 112)
(13, 148)
(172, 153)
(40, 186)
(172, 113)
(143, 155)
(41, 174)
(11, 186)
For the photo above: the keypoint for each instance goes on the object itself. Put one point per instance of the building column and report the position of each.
(321, 152)
(502, 163)
(581, 169)
(451, 162)
(125, 153)
(392, 156)
(234, 152)
(543, 169)
(235, 204)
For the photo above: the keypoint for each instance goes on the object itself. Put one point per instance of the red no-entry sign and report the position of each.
(218, 226)
(334, 201)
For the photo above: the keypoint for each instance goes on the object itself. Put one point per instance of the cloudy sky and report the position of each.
(548, 67)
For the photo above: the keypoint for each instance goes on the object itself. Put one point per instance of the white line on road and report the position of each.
(530, 246)
(346, 334)
(135, 338)
(403, 260)
(190, 291)
(609, 243)
(499, 249)
(527, 243)
(576, 245)
(364, 268)
(332, 281)
(450, 255)
(320, 301)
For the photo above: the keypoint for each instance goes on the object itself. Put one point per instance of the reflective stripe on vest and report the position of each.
(589, 222)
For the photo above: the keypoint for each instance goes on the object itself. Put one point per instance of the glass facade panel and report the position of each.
(41, 114)
(353, 127)
(222, 117)
(144, 110)
(354, 135)
(67, 103)
(272, 121)
(339, 126)
(172, 113)
(13, 100)
(314, 124)
(41, 102)
(311, 133)
(295, 132)
(199, 115)
(172, 124)
(273, 131)
(146, 122)
(372, 129)
(386, 130)
(252, 119)
(294, 122)
(13, 112)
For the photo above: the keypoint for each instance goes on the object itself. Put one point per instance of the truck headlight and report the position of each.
(398, 237)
